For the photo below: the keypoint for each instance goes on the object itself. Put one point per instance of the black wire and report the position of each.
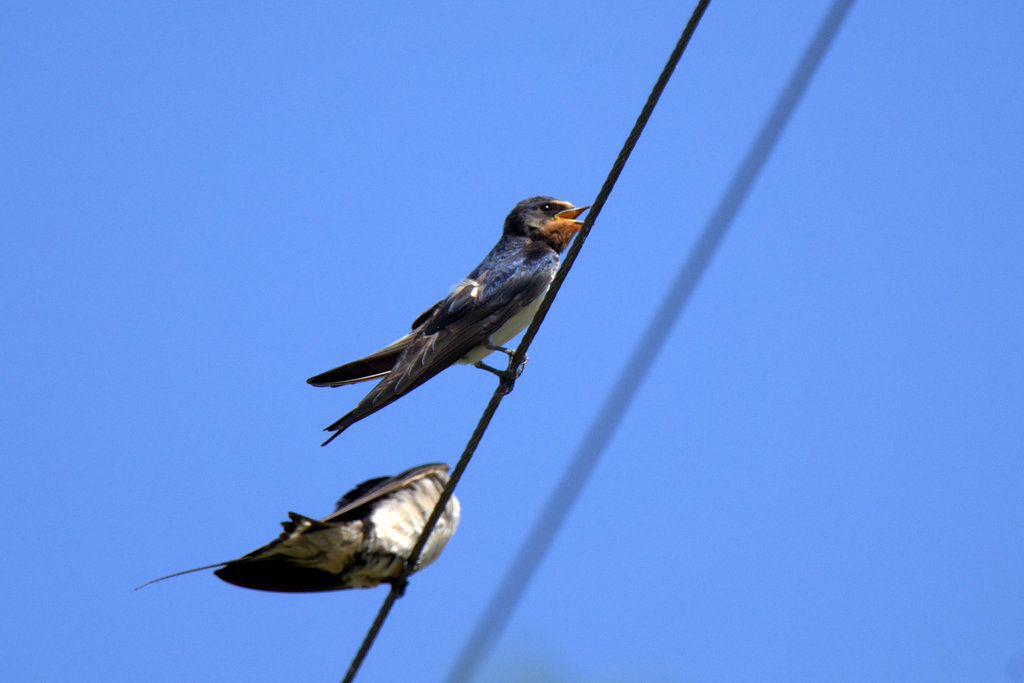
(504, 386)
(613, 175)
(507, 378)
(532, 551)
(371, 635)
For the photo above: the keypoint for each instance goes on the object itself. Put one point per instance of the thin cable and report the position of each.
(371, 635)
(508, 378)
(532, 551)
(609, 183)
(398, 588)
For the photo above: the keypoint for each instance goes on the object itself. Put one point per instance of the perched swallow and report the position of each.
(489, 307)
(364, 542)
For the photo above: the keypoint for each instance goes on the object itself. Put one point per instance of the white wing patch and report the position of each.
(473, 287)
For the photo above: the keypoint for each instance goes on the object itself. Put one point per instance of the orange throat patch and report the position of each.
(559, 231)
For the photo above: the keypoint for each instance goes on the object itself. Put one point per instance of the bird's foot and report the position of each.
(508, 377)
(510, 353)
(484, 366)
(494, 347)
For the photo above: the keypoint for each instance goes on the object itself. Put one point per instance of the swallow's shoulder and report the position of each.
(356, 503)
(512, 260)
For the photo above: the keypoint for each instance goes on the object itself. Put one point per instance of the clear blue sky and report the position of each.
(823, 479)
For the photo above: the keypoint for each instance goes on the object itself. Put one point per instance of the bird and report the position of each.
(366, 541)
(487, 308)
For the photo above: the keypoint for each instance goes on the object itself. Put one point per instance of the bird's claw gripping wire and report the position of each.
(507, 376)
(399, 585)
(508, 352)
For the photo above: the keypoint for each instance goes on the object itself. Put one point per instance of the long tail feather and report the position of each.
(186, 571)
(377, 364)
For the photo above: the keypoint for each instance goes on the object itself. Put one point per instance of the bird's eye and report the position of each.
(545, 207)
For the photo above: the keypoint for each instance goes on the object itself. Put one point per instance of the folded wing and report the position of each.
(377, 364)
(455, 326)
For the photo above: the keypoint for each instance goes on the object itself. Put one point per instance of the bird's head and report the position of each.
(545, 219)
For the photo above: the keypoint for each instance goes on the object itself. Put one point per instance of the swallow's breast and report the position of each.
(509, 329)
(397, 523)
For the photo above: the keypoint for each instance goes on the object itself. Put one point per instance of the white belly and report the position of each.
(511, 328)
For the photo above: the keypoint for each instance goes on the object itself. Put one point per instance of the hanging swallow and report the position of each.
(364, 542)
(489, 307)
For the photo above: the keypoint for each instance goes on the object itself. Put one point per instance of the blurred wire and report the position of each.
(509, 376)
(509, 592)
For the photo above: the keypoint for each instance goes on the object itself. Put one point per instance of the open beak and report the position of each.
(571, 213)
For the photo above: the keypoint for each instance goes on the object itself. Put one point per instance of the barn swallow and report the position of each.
(364, 542)
(489, 307)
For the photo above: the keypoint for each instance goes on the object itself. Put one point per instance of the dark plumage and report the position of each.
(489, 307)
